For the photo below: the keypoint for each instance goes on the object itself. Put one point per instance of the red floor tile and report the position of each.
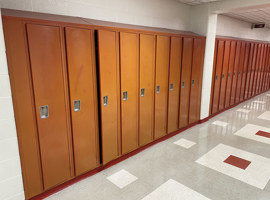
(264, 134)
(237, 162)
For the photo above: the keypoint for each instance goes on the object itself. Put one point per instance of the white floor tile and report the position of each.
(122, 178)
(184, 143)
(243, 110)
(249, 131)
(256, 174)
(262, 102)
(220, 123)
(265, 115)
(268, 95)
(172, 190)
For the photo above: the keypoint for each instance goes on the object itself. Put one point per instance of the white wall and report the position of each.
(11, 186)
(158, 13)
(227, 26)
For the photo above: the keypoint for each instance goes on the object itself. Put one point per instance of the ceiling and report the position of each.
(197, 2)
(259, 15)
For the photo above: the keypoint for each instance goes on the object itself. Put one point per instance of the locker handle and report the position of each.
(125, 95)
(44, 111)
(193, 82)
(158, 89)
(77, 105)
(183, 84)
(142, 92)
(238, 73)
(233, 73)
(216, 77)
(222, 76)
(229, 74)
(105, 100)
(171, 86)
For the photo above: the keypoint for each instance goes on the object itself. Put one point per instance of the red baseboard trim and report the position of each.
(126, 156)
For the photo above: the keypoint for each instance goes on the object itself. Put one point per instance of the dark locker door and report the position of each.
(224, 75)
(83, 98)
(240, 72)
(230, 74)
(249, 69)
(49, 81)
(245, 72)
(174, 83)
(147, 87)
(161, 93)
(129, 63)
(235, 73)
(196, 79)
(185, 81)
(254, 58)
(217, 78)
(109, 94)
(256, 70)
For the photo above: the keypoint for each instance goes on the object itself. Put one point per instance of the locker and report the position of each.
(224, 75)
(109, 94)
(217, 83)
(235, 73)
(161, 89)
(254, 58)
(245, 72)
(256, 69)
(230, 74)
(83, 98)
(129, 62)
(266, 69)
(250, 56)
(147, 87)
(185, 81)
(262, 69)
(47, 65)
(196, 79)
(174, 83)
(259, 70)
(240, 72)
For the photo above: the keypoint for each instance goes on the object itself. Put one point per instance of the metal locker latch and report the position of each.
(216, 77)
(158, 89)
(171, 86)
(77, 105)
(238, 73)
(142, 92)
(183, 84)
(193, 82)
(44, 111)
(233, 73)
(125, 95)
(105, 100)
(229, 74)
(222, 76)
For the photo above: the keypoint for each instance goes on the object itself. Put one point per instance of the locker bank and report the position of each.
(165, 99)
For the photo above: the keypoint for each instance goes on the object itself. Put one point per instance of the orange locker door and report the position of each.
(240, 72)
(129, 63)
(259, 70)
(196, 79)
(83, 98)
(254, 58)
(109, 94)
(161, 93)
(266, 69)
(217, 83)
(256, 69)
(224, 75)
(262, 69)
(147, 87)
(174, 83)
(185, 81)
(245, 72)
(235, 73)
(230, 74)
(250, 55)
(47, 64)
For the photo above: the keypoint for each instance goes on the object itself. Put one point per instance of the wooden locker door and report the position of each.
(174, 83)
(249, 69)
(83, 98)
(217, 84)
(240, 72)
(254, 58)
(245, 72)
(46, 58)
(235, 73)
(224, 75)
(147, 86)
(230, 74)
(161, 93)
(129, 65)
(185, 81)
(196, 78)
(256, 69)
(109, 94)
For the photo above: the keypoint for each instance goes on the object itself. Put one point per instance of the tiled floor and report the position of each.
(226, 158)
